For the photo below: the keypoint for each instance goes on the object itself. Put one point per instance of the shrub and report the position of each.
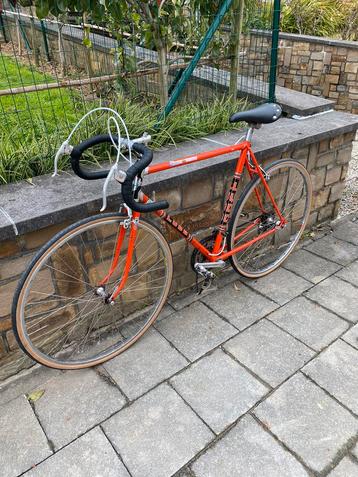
(311, 17)
(34, 153)
(349, 12)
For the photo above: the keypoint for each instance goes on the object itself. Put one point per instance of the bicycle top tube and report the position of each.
(163, 166)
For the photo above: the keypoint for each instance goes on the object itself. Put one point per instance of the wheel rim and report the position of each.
(291, 188)
(61, 322)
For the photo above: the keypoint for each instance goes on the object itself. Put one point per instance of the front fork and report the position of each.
(132, 224)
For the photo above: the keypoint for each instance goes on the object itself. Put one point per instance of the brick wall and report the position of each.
(313, 65)
(197, 203)
(323, 69)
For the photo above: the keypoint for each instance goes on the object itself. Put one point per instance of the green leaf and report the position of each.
(87, 42)
(136, 17)
(42, 8)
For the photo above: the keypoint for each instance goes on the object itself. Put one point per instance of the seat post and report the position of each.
(250, 130)
(249, 133)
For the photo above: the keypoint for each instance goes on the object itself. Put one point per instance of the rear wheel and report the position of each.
(61, 320)
(291, 187)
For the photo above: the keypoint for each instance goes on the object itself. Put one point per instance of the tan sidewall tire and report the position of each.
(48, 248)
(241, 202)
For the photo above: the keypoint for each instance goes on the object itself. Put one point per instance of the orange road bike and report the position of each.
(97, 286)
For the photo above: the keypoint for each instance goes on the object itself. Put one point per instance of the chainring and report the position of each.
(198, 257)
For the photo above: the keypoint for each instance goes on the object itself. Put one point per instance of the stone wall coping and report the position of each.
(49, 201)
(301, 104)
(309, 39)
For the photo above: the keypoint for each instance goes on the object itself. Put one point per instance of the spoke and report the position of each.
(290, 210)
(60, 327)
(66, 265)
(140, 274)
(141, 288)
(94, 321)
(99, 248)
(56, 311)
(62, 297)
(78, 259)
(138, 277)
(121, 262)
(243, 237)
(115, 244)
(40, 302)
(61, 271)
(291, 198)
(76, 324)
(251, 250)
(269, 250)
(149, 269)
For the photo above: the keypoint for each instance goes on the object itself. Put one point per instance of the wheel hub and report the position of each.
(106, 297)
(267, 222)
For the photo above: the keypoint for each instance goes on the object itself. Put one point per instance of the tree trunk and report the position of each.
(61, 52)
(235, 40)
(35, 47)
(89, 66)
(161, 47)
(18, 34)
(163, 72)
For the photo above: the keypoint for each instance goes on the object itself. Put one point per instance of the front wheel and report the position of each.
(59, 317)
(255, 216)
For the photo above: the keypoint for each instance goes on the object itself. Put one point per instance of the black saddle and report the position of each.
(264, 114)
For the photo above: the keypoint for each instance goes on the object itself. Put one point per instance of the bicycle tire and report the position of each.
(240, 218)
(70, 264)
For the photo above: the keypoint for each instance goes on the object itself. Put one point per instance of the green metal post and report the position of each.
(43, 30)
(175, 81)
(178, 88)
(24, 36)
(274, 49)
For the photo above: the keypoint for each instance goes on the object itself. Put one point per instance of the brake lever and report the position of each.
(111, 173)
(118, 175)
(65, 148)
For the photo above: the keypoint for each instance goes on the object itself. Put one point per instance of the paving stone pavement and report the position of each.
(308, 421)
(336, 370)
(252, 379)
(351, 336)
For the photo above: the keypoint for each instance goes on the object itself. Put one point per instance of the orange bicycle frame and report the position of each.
(246, 159)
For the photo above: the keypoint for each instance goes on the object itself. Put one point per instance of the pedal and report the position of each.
(205, 285)
(201, 270)
(202, 267)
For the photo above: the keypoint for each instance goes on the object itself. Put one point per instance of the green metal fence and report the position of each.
(52, 71)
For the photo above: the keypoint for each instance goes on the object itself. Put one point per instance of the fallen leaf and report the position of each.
(36, 395)
(237, 286)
